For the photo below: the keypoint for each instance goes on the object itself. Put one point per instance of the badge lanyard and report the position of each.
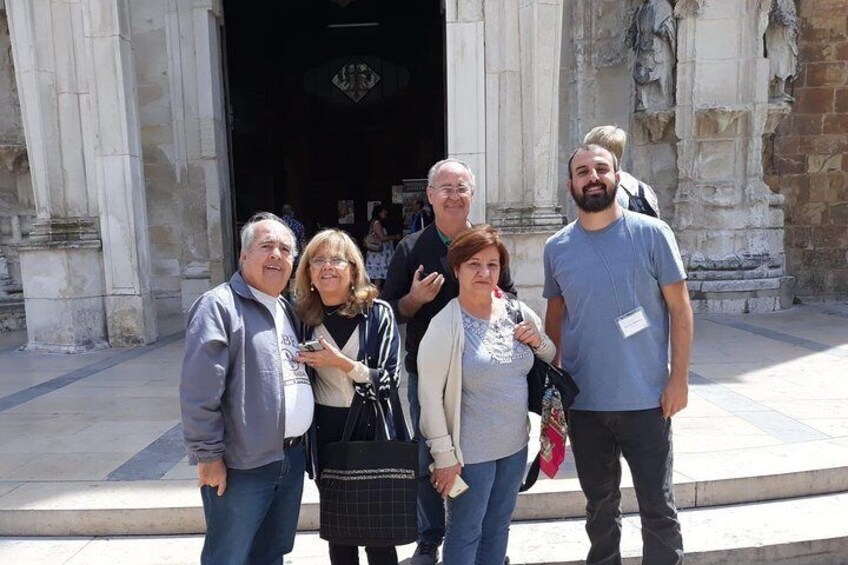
(632, 322)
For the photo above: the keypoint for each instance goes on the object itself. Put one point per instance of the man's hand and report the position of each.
(213, 474)
(425, 290)
(675, 397)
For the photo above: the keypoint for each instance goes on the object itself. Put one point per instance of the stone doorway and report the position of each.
(333, 100)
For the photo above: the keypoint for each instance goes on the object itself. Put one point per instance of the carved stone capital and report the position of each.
(718, 121)
(14, 157)
(776, 112)
(654, 124)
(686, 8)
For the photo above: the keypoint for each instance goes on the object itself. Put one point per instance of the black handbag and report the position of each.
(542, 377)
(368, 488)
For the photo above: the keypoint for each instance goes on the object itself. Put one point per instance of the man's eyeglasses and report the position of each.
(336, 262)
(459, 190)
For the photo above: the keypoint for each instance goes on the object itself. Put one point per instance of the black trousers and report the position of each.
(330, 427)
(644, 438)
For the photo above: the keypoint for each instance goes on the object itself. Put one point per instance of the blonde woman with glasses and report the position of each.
(356, 353)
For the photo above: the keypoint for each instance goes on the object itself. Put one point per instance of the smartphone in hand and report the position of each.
(311, 346)
(459, 485)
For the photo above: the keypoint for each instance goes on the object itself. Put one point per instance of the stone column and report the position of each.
(200, 143)
(523, 43)
(522, 55)
(466, 93)
(77, 90)
(61, 264)
(728, 223)
(131, 318)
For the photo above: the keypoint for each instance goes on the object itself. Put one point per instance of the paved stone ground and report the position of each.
(770, 385)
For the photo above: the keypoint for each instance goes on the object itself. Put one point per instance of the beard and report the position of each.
(595, 202)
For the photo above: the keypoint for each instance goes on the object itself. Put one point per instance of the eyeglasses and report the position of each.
(335, 262)
(447, 190)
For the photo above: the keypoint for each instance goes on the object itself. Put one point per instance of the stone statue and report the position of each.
(781, 40)
(653, 36)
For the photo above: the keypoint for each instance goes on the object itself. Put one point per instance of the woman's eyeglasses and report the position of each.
(336, 262)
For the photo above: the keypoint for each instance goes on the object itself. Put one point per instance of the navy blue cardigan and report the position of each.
(379, 350)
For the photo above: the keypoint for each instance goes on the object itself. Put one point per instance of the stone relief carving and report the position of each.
(781, 43)
(685, 8)
(653, 36)
(655, 124)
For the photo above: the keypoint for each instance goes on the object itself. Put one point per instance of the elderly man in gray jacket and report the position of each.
(247, 404)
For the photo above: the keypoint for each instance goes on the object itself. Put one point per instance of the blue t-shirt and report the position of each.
(603, 275)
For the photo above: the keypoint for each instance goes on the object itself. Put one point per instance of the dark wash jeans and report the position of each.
(431, 506)
(644, 438)
(254, 522)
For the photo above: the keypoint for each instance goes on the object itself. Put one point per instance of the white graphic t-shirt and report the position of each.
(297, 390)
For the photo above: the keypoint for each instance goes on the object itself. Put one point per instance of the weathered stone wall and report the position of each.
(164, 194)
(597, 88)
(807, 159)
(16, 201)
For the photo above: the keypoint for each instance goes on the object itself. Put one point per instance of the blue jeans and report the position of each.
(598, 440)
(478, 521)
(431, 506)
(254, 522)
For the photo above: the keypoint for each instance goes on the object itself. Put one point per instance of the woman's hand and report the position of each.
(328, 357)
(526, 333)
(443, 479)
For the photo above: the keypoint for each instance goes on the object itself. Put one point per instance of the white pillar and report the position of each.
(201, 152)
(466, 93)
(523, 44)
(61, 264)
(131, 318)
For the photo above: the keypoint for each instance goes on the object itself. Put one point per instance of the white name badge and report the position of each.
(632, 323)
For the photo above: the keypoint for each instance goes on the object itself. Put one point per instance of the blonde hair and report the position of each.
(611, 138)
(308, 301)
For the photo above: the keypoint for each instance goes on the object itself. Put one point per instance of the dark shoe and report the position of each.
(425, 554)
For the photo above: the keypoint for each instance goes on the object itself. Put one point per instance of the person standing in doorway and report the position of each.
(616, 291)
(377, 262)
(418, 285)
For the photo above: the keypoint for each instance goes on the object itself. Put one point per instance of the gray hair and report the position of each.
(434, 170)
(249, 229)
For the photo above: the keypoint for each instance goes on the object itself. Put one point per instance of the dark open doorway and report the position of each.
(333, 100)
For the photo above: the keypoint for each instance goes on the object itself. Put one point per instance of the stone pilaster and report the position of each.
(61, 265)
(523, 43)
(196, 87)
(729, 224)
(131, 317)
(85, 264)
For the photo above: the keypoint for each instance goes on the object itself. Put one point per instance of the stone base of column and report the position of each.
(742, 296)
(131, 321)
(63, 296)
(521, 219)
(526, 250)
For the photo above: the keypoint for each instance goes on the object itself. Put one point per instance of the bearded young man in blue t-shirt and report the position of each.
(617, 295)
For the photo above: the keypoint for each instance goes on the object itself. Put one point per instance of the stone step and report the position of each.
(801, 531)
(113, 508)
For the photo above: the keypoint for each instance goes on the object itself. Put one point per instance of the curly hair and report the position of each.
(308, 301)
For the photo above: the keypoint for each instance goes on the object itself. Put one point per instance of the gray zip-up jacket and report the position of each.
(230, 397)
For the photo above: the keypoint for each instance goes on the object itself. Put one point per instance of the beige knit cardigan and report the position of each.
(440, 380)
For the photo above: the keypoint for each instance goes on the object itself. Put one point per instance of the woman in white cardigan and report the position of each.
(472, 366)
